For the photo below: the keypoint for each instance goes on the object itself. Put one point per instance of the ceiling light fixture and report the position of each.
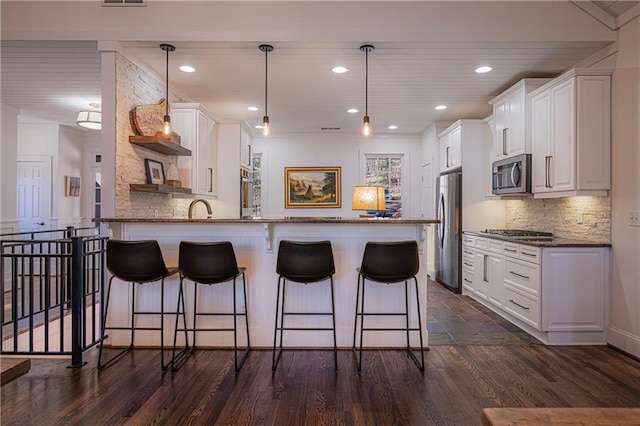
(339, 70)
(441, 107)
(90, 119)
(392, 127)
(366, 129)
(266, 48)
(253, 108)
(483, 69)
(166, 127)
(187, 68)
(352, 110)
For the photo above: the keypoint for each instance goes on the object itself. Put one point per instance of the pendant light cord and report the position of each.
(166, 110)
(266, 59)
(366, 82)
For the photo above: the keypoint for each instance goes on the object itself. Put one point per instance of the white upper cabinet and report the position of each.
(512, 119)
(571, 135)
(197, 131)
(451, 148)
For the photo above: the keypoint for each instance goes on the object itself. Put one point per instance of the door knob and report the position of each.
(40, 223)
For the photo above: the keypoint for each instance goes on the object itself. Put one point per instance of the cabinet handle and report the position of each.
(467, 280)
(468, 264)
(528, 254)
(517, 304)
(547, 175)
(484, 269)
(448, 150)
(519, 275)
(210, 179)
(468, 252)
(504, 141)
(510, 250)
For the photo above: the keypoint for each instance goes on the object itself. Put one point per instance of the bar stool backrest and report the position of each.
(390, 262)
(136, 261)
(207, 262)
(305, 262)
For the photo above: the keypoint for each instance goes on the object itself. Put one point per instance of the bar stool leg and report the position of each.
(180, 358)
(102, 366)
(274, 359)
(333, 318)
(406, 313)
(239, 364)
(421, 366)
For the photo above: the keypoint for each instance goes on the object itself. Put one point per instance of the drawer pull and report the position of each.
(468, 252)
(528, 254)
(468, 264)
(467, 280)
(511, 251)
(519, 275)
(517, 304)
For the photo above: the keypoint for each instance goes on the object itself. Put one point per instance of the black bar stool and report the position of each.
(303, 262)
(388, 262)
(135, 262)
(210, 263)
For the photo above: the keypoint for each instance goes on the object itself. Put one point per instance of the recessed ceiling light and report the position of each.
(392, 127)
(352, 110)
(439, 107)
(483, 69)
(339, 70)
(253, 108)
(187, 68)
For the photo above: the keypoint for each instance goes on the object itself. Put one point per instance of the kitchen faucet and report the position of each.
(205, 202)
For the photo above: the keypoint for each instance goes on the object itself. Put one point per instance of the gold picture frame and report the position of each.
(312, 187)
(71, 186)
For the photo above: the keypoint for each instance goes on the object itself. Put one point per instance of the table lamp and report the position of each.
(369, 197)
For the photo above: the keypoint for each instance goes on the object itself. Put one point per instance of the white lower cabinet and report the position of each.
(557, 294)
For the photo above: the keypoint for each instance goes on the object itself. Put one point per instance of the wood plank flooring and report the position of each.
(459, 381)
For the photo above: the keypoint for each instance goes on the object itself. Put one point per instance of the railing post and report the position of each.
(77, 301)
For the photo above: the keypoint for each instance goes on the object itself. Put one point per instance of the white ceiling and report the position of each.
(55, 79)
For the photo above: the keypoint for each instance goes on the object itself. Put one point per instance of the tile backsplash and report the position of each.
(562, 216)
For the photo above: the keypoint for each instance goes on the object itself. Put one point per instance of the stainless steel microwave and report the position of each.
(512, 176)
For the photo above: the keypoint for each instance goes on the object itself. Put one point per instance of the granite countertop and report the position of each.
(543, 242)
(296, 219)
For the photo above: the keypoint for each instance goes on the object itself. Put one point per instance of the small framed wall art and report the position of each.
(155, 171)
(312, 187)
(71, 186)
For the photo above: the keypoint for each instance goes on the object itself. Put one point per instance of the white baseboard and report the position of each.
(624, 341)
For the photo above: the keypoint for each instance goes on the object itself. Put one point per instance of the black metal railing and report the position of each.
(51, 289)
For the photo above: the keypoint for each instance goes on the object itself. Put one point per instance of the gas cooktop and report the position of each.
(518, 233)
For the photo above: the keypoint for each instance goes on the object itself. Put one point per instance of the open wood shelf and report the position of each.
(159, 144)
(158, 189)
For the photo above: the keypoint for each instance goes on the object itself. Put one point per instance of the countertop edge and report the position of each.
(555, 242)
(301, 220)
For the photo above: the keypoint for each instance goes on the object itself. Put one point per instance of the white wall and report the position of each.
(70, 163)
(624, 330)
(8, 172)
(346, 151)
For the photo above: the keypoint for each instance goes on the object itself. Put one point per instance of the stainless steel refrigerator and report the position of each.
(448, 246)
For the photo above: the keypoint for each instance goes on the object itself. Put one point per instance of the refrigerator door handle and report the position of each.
(442, 220)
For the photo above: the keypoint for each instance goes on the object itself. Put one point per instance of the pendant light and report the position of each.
(90, 119)
(166, 127)
(266, 48)
(366, 48)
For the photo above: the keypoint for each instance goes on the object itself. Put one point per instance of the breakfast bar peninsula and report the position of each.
(256, 242)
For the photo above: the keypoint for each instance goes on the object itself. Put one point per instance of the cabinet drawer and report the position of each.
(523, 276)
(530, 254)
(468, 263)
(495, 246)
(468, 240)
(510, 250)
(525, 307)
(481, 243)
(467, 281)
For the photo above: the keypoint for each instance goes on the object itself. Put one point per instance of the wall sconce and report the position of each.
(370, 198)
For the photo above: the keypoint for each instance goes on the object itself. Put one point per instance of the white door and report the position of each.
(34, 195)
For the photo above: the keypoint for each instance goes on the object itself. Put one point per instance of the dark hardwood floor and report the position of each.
(460, 379)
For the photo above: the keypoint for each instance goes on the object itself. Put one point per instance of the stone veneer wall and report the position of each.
(560, 216)
(136, 87)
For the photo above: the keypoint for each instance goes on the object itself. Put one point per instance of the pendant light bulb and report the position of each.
(366, 129)
(266, 48)
(166, 125)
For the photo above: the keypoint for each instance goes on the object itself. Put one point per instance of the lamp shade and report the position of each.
(368, 198)
(90, 119)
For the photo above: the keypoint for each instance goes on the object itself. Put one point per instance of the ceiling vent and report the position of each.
(330, 129)
(122, 3)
